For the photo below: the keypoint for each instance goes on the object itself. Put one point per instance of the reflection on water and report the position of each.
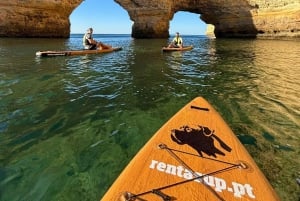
(68, 125)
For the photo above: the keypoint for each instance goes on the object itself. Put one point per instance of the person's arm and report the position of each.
(90, 39)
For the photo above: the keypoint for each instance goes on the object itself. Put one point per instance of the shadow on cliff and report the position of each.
(233, 20)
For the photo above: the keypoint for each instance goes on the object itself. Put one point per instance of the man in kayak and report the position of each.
(177, 42)
(90, 44)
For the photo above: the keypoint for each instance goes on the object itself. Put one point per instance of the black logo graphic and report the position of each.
(202, 140)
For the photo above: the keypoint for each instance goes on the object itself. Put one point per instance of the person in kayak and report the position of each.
(177, 42)
(90, 44)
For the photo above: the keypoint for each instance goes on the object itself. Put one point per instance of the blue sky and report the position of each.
(107, 17)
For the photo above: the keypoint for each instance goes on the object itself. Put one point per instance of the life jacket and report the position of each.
(177, 40)
(85, 38)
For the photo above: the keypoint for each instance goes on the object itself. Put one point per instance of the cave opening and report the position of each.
(187, 23)
(106, 17)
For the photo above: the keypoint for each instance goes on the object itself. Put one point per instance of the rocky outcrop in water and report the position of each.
(231, 18)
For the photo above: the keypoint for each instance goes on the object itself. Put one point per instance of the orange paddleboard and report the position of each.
(50, 53)
(194, 157)
(165, 49)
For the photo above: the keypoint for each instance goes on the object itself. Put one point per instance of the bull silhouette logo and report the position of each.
(200, 139)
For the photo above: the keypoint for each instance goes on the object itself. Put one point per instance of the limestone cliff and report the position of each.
(231, 18)
(36, 18)
(210, 31)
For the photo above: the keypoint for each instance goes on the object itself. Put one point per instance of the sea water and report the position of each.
(69, 125)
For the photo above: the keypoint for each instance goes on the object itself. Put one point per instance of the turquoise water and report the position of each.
(69, 125)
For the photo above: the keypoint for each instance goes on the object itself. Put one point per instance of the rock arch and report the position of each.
(231, 18)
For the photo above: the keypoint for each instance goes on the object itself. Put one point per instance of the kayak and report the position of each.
(165, 49)
(193, 156)
(74, 52)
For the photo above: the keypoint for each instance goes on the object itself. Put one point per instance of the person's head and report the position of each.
(177, 34)
(89, 30)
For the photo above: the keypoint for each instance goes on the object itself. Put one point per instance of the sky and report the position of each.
(108, 17)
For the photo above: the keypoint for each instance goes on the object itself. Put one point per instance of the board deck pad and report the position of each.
(193, 157)
(51, 53)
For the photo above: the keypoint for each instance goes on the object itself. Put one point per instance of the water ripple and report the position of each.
(75, 117)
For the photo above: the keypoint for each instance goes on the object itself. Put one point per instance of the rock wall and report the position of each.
(210, 31)
(259, 18)
(231, 18)
(36, 18)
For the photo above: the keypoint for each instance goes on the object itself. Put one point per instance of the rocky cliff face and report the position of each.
(210, 31)
(36, 18)
(231, 18)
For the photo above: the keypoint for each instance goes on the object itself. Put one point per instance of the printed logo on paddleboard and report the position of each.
(238, 190)
(201, 139)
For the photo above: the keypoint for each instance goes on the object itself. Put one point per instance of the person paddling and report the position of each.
(90, 44)
(177, 42)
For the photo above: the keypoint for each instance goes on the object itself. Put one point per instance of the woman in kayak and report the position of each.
(177, 42)
(90, 44)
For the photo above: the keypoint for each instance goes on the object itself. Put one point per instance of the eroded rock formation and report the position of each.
(231, 18)
(36, 18)
(210, 31)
